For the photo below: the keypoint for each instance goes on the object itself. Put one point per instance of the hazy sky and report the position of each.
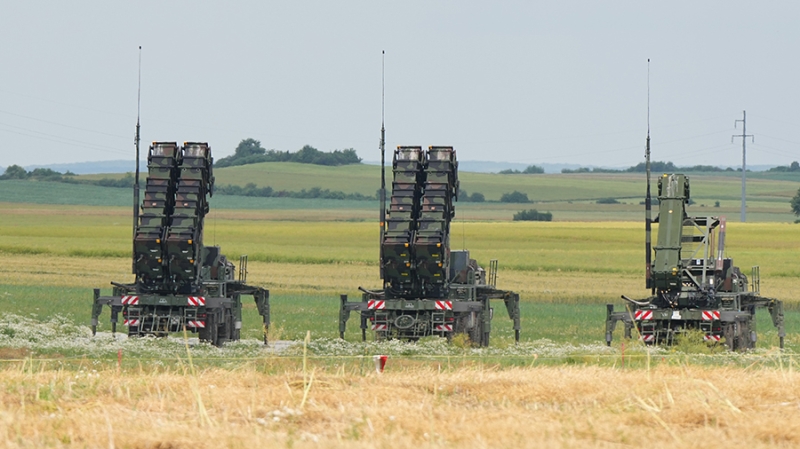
(531, 82)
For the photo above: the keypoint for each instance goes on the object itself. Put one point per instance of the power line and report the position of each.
(744, 137)
(61, 124)
(75, 143)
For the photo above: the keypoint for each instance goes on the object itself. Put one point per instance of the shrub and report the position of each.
(515, 197)
(477, 197)
(533, 215)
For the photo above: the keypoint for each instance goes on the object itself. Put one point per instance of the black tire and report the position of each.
(210, 333)
(737, 335)
(226, 329)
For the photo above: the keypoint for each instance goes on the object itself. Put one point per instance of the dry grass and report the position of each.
(408, 406)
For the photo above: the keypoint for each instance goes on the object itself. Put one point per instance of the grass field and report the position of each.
(580, 265)
(560, 387)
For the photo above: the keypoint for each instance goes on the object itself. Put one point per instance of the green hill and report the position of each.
(569, 196)
(365, 179)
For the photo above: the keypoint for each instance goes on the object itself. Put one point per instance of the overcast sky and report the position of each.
(531, 82)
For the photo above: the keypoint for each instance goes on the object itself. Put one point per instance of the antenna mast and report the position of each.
(136, 178)
(383, 156)
(647, 214)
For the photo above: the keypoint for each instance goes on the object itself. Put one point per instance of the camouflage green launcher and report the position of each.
(427, 288)
(179, 282)
(693, 286)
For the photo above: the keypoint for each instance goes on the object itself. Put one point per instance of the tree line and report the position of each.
(657, 166)
(250, 151)
(529, 170)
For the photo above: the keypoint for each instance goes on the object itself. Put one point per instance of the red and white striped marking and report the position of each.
(131, 322)
(711, 337)
(444, 305)
(643, 315)
(376, 304)
(130, 300)
(196, 301)
(379, 327)
(196, 324)
(710, 315)
(648, 338)
(444, 328)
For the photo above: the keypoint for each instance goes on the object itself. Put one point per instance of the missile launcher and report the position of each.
(180, 283)
(693, 285)
(427, 288)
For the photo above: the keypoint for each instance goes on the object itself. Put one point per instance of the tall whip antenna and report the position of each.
(647, 213)
(383, 158)
(136, 178)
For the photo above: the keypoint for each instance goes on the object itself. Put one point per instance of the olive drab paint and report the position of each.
(428, 289)
(180, 283)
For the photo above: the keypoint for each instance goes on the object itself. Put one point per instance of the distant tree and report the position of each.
(795, 203)
(793, 167)
(607, 201)
(533, 169)
(477, 197)
(15, 172)
(44, 173)
(577, 170)
(515, 197)
(249, 147)
(307, 154)
(657, 166)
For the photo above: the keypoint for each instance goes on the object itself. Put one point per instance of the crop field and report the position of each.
(570, 197)
(561, 386)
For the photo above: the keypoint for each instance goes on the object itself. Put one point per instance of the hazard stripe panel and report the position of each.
(648, 338)
(711, 337)
(376, 304)
(196, 324)
(131, 322)
(379, 327)
(196, 301)
(444, 328)
(130, 300)
(643, 315)
(710, 315)
(444, 305)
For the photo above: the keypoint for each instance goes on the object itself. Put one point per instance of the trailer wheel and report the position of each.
(475, 331)
(226, 331)
(737, 335)
(211, 332)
